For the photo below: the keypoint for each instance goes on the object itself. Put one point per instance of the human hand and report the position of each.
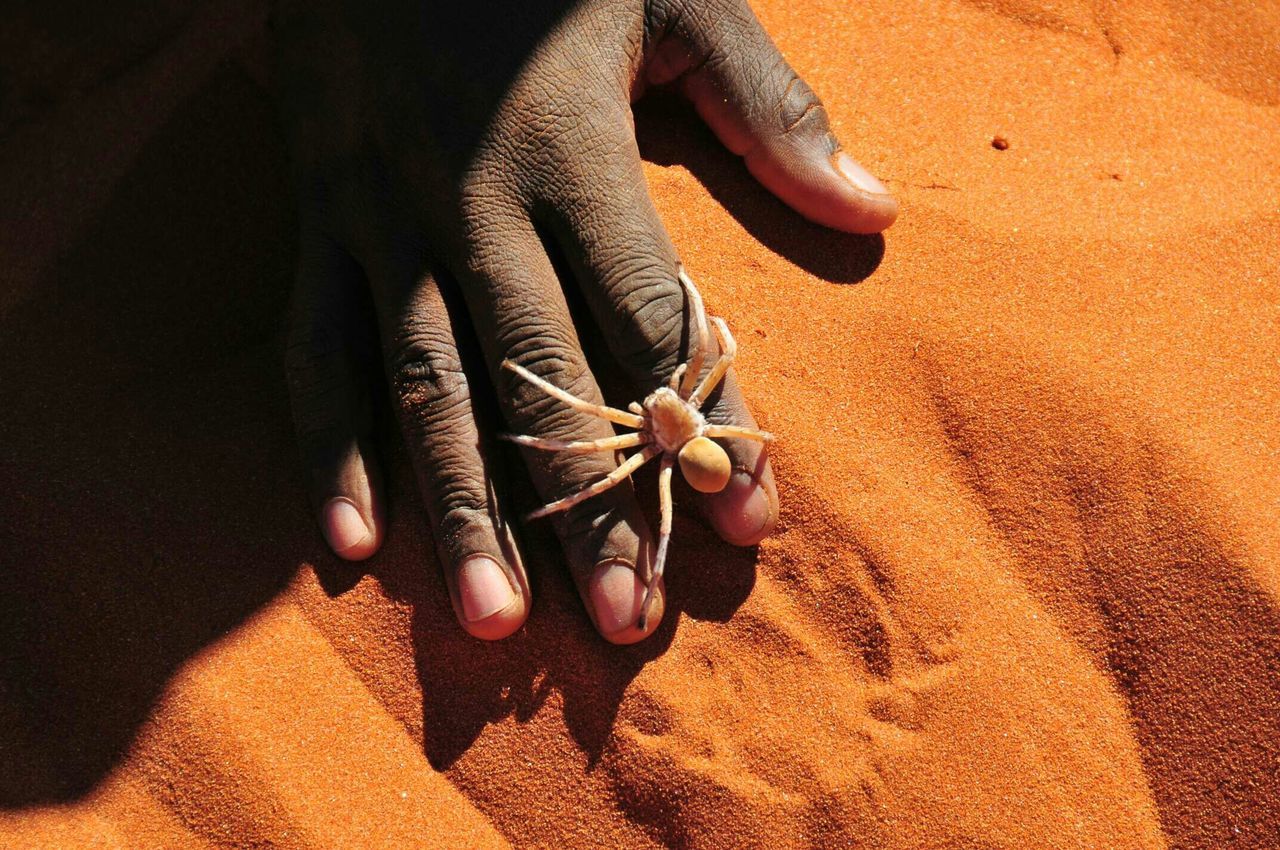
(441, 150)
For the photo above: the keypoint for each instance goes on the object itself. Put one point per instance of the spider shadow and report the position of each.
(669, 132)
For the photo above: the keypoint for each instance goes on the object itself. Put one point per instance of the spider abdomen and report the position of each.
(705, 465)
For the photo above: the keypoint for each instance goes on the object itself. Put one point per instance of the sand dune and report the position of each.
(1026, 589)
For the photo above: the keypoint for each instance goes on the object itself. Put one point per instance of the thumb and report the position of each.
(761, 110)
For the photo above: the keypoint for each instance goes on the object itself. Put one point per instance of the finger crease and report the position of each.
(782, 101)
(812, 106)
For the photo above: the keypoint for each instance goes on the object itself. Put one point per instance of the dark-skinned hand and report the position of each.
(441, 150)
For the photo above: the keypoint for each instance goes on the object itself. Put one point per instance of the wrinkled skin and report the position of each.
(440, 150)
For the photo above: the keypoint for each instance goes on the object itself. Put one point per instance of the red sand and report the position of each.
(1026, 591)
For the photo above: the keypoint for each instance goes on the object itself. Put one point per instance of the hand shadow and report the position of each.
(153, 500)
(669, 132)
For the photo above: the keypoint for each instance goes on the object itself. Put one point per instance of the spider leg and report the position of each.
(636, 408)
(613, 479)
(738, 431)
(728, 351)
(664, 538)
(694, 366)
(578, 447)
(674, 382)
(621, 417)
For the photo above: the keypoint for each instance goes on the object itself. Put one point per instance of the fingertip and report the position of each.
(616, 594)
(491, 606)
(349, 534)
(864, 181)
(834, 192)
(746, 511)
(500, 625)
(761, 110)
(876, 208)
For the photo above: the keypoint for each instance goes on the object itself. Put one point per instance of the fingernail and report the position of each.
(344, 528)
(483, 588)
(616, 594)
(742, 510)
(859, 176)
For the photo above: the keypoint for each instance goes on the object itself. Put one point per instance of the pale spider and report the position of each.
(668, 423)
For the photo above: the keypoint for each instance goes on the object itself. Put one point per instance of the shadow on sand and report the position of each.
(670, 133)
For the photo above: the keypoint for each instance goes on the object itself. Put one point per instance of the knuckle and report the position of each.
(550, 358)
(449, 463)
(459, 515)
(800, 112)
(436, 415)
(445, 454)
(653, 304)
(428, 380)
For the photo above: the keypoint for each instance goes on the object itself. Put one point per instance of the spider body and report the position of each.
(672, 421)
(677, 427)
(668, 423)
(704, 465)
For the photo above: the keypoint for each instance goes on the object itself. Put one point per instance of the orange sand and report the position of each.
(1026, 589)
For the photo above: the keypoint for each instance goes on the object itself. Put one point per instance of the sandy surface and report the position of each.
(1026, 589)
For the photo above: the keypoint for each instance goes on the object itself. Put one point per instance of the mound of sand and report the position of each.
(1026, 590)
